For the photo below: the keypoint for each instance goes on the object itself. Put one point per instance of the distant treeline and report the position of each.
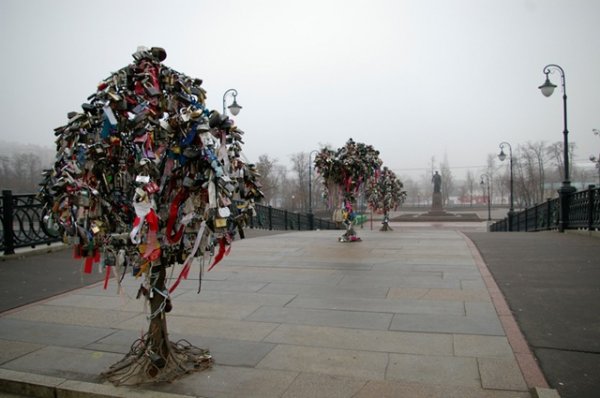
(21, 172)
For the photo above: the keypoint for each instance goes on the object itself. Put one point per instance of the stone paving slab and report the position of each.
(297, 314)
(66, 362)
(351, 363)
(430, 369)
(401, 306)
(441, 323)
(368, 340)
(44, 333)
(463, 295)
(325, 291)
(233, 381)
(315, 317)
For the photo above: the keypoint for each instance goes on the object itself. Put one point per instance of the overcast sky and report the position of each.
(414, 78)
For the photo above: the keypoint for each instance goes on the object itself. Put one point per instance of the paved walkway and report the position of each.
(407, 313)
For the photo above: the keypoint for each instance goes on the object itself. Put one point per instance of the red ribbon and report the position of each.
(183, 275)
(87, 268)
(220, 254)
(107, 276)
(179, 198)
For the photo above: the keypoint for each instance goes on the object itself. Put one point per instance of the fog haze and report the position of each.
(415, 79)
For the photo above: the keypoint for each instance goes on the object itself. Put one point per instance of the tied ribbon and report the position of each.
(107, 276)
(174, 209)
(224, 250)
(144, 213)
(90, 260)
(188, 261)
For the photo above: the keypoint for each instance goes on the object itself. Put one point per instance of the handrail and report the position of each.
(583, 212)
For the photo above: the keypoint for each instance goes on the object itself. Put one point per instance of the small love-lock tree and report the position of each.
(384, 193)
(344, 173)
(145, 179)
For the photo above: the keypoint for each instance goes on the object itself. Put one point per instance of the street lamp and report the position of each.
(566, 189)
(489, 203)
(502, 156)
(235, 108)
(595, 159)
(310, 166)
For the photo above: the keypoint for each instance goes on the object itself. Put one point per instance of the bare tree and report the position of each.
(531, 160)
(556, 154)
(21, 172)
(414, 191)
(300, 165)
(268, 177)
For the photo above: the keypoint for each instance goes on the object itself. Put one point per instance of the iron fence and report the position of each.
(583, 212)
(23, 222)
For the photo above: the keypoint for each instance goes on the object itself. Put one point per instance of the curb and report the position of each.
(537, 392)
(26, 252)
(39, 386)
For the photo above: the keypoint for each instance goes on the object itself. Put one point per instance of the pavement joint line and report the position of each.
(534, 378)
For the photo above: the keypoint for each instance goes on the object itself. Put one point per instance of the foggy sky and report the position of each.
(416, 79)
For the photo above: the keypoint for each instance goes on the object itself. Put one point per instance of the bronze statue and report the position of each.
(437, 182)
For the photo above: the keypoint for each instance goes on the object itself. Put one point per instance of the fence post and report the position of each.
(270, 218)
(590, 207)
(285, 219)
(548, 214)
(7, 225)
(298, 218)
(311, 221)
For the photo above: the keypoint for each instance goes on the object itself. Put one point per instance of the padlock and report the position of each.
(151, 187)
(152, 91)
(84, 198)
(220, 222)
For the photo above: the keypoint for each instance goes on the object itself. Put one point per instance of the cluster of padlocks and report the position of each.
(145, 173)
(348, 168)
(385, 192)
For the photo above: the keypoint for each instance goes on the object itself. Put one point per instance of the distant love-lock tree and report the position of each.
(384, 193)
(145, 179)
(344, 173)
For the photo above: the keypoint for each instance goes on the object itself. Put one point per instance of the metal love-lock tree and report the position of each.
(384, 193)
(145, 179)
(344, 173)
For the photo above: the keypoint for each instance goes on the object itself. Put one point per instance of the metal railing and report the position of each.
(23, 222)
(583, 212)
(268, 217)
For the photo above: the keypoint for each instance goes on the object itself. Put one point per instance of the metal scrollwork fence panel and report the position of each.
(23, 223)
(583, 208)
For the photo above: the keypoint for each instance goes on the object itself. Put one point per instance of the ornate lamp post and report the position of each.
(235, 108)
(566, 189)
(595, 159)
(502, 156)
(489, 203)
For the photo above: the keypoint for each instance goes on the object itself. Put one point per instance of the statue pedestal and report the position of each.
(436, 203)
(437, 213)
